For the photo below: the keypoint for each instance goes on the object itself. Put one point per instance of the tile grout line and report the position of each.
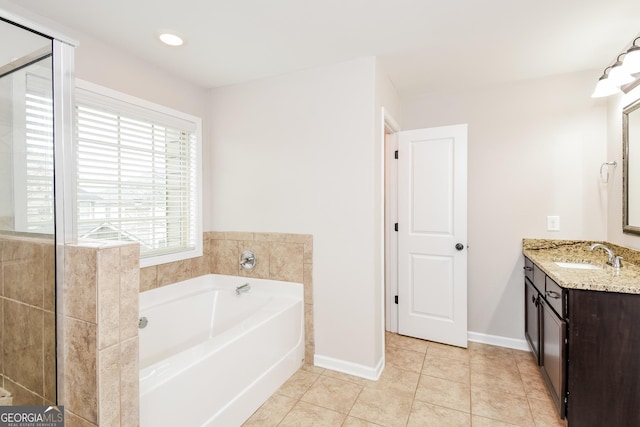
(413, 400)
(297, 400)
(351, 409)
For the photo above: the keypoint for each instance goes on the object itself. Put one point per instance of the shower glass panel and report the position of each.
(27, 241)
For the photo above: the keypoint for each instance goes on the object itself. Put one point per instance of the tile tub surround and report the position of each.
(27, 319)
(101, 342)
(101, 334)
(423, 384)
(545, 253)
(280, 256)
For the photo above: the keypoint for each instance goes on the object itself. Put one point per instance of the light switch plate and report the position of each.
(553, 223)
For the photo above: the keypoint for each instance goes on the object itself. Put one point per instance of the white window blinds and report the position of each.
(39, 154)
(137, 174)
(32, 148)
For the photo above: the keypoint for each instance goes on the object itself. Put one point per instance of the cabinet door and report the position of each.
(553, 356)
(532, 318)
(604, 359)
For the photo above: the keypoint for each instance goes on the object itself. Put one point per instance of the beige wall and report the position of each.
(27, 320)
(535, 149)
(297, 154)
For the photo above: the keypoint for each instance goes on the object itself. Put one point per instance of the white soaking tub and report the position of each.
(210, 356)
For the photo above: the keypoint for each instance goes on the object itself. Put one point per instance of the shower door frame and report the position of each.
(64, 159)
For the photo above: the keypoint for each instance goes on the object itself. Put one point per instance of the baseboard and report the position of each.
(362, 371)
(373, 373)
(498, 340)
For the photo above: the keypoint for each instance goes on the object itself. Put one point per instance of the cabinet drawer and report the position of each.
(555, 296)
(538, 279)
(528, 268)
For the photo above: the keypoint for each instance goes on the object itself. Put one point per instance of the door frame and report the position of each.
(390, 191)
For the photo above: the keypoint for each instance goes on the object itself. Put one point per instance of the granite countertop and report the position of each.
(545, 253)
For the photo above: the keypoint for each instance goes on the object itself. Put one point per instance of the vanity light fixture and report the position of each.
(605, 87)
(618, 76)
(171, 39)
(623, 75)
(631, 63)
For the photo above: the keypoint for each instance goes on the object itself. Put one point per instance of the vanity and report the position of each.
(582, 322)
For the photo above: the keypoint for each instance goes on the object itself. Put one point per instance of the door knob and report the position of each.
(459, 246)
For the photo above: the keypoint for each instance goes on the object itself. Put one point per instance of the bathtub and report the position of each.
(211, 357)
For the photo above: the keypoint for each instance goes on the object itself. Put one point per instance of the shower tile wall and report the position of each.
(280, 256)
(101, 334)
(27, 332)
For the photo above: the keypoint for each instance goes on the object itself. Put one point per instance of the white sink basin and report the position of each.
(578, 265)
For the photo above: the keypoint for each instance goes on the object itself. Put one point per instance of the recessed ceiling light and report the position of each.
(171, 39)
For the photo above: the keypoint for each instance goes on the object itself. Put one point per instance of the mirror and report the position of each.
(631, 168)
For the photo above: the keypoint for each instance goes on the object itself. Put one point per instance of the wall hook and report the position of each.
(604, 170)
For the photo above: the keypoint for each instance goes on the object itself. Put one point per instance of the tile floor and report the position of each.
(423, 384)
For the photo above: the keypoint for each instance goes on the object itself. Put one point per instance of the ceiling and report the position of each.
(424, 45)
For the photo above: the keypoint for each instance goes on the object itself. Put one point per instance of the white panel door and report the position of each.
(432, 234)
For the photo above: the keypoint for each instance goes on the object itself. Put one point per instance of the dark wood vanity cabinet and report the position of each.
(545, 330)
(587, 344)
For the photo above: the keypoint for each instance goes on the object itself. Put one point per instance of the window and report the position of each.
(138, 174)
(39, 154)
(31, 171)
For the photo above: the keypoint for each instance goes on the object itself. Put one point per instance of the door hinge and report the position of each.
(396, 154)
(396, 299)
(395, 226)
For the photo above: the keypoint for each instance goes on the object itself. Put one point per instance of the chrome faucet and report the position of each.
(614, 261)
(243, 288)
(248, 260)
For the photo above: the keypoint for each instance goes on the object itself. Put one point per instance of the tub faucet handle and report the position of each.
(247, 260)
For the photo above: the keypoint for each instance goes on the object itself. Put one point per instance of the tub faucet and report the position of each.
(243, 288)
(614, 261)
